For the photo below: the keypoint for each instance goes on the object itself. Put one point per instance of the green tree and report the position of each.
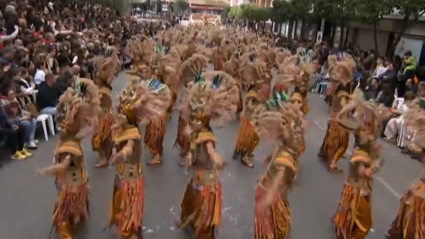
(280, 12)
(180, 6)
(254, 13)
(411, 10)
(371, 13)
(339, 12)
(158, 6)
(236, 13)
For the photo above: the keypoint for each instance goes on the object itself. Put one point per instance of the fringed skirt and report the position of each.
(201, 207)
(302, 145)
(102, 141)
(353, 219)
(182, 141)
(126, 211)
(218, 63)
(154, 136)
(72, 206)
(246, 140)
(410, 221)
(335, 142)
(275, 223)
(305, 108)
(240, 103)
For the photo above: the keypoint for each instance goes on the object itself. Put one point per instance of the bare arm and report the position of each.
(11, 36)
(56, 169)
(126, 151)
(214, 155)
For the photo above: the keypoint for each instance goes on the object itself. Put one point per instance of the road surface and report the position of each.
(26, 202)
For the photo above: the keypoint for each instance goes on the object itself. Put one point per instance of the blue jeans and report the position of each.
(30, 126)
(319, 78)
(49, 111)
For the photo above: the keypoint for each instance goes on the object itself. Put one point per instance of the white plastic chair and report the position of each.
(43, 118)
(397, 102)
(46, 121)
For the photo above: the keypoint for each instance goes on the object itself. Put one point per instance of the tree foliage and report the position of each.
(180, 6)
(249, 12)
(337, 11)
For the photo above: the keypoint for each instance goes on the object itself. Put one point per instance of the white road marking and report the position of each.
(318, 125)
(382, 181)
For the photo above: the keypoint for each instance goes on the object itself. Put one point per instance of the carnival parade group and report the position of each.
(241, 87)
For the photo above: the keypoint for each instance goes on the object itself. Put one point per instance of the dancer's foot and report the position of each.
(247, 162)
(75, 221)
(179, 224)
(182, 162)
(156, 160)
(335, 169)
(102, 163)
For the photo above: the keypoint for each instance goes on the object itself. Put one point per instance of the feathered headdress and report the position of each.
(193, 69)
(138, 101)
(78, 108)
(214, 98)
(279, 121)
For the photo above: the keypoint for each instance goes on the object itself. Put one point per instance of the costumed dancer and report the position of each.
(282, 123)
(410, 220)
(353, 218)
(258, 91)
(143, 72)
(102, 141)
(213, 97)
(155, 130)
(288, 71)
(138, 104)
(77, 114)
(191, 70)
(336, 139)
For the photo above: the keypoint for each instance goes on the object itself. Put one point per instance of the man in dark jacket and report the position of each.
(390, 76)
(47, 96)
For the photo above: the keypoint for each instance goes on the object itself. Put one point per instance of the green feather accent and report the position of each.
(199, 78)
(422, 103)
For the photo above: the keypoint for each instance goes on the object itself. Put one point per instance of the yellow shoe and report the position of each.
(19, 156)
(25, 152)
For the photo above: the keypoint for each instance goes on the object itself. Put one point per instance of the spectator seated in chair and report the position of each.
(395, 125)
(14, 136)
(17, 115)
(48, 96)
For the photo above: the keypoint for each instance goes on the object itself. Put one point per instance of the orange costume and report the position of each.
(102, 141)
(126, 211)
(202, 202)
(191, 70)
(336, 139)
(353, 218)
(77, 114)
(283, 123)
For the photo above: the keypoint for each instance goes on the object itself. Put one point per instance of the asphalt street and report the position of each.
(26, 201)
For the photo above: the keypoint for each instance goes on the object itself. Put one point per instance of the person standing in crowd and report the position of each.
(409, 68)
(47, 97)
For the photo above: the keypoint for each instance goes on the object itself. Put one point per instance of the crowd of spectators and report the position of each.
(44, 47)
(392, 81)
